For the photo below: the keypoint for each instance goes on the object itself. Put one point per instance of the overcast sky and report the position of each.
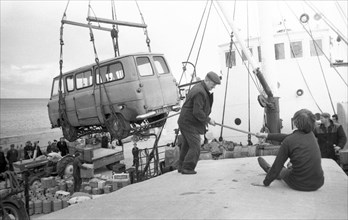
(30, 37)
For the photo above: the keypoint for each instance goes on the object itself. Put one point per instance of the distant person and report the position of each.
(28, 150)
(12, 156)
(63, 147)
(3, 161)
(193, 121)
(335, 118)
(305, 172)
(104, 141)
(135, 152)
(37, 150)
(331, 137)
(51, 148)
(77, 166)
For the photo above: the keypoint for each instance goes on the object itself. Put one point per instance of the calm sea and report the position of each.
(23, 116)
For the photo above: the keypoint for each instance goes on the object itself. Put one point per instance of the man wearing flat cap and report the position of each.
(330, 135)
(193, 121)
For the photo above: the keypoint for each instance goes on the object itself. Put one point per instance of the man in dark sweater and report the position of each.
(193, 120)
(301, 147)
(331, 137)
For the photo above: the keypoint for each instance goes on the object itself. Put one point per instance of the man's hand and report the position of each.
(337, 148)
(212, 122)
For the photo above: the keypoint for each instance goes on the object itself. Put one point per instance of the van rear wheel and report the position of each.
(118, 127)
(69, 132)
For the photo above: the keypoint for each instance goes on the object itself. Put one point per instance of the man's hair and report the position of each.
(335, 116)
(304, 120)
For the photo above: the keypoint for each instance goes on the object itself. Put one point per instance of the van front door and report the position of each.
(149, 85)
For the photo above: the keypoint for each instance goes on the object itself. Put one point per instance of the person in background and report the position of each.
(193, 121)
(63, 147)
(37, 150)
(331, 137)
(104, 141)
(335, 118)
(305, 172)
(77, 166)
(12, 156)
(28, 150)
(3, 161)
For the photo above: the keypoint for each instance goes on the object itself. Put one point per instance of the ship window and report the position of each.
(84, 79)
(144, 66)
(296, 49)
(259, 53)
(316, 48)
(279, 51)
(70, 83)
(161, 65)
(243, 55)
(230, 59)
(55, 89)
(110, 73)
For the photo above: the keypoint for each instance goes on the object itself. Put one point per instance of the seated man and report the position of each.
(306, 173)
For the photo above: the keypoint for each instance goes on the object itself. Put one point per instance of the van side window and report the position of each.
(110, 73)
(55, 89)
(144, 66)
(70, 83)
(160, 65)
(84, 79)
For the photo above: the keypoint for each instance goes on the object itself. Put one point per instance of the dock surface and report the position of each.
(221, 189)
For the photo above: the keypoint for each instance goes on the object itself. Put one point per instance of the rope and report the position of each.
(328, 22)
(317, 45)
(322, 72)
(344, 17)
(194, 40)
(145, 29)
(203, 35)
(298, 65)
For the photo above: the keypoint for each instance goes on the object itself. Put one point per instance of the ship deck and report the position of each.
(220, 190)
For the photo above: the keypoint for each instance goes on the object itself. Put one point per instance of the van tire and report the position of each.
(69, 132)
(118, 127)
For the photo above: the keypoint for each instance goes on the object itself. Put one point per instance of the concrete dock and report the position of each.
(222, 189)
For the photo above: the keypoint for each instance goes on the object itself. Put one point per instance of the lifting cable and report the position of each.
(343, 15)
(100, 77)
(145, 29)
(317, 45)
(61, 105)
(298, 64)
(248, 37)
(194, 40)
(115, 30)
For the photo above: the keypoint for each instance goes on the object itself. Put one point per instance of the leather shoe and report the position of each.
(179, 171)
(263, 164)
(184, 171)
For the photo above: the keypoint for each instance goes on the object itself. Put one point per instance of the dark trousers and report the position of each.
(190, 151)
(77, 183)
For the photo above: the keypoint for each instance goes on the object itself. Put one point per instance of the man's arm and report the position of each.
(198, 112)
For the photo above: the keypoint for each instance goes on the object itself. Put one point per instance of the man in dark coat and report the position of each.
(12, 156)
(77, 166)
(63, 147)
(331, 137)
(193, 121)
(28, 150)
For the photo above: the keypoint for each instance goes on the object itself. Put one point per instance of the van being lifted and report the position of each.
(127, 91)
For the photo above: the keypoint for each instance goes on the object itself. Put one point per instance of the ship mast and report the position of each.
(266, 42)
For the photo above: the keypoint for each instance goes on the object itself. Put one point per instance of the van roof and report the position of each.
(107, 60)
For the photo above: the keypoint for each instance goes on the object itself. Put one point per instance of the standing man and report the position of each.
(193, 121)
(63, 147)
(77, 166)
(12, 156)
(331, 137)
